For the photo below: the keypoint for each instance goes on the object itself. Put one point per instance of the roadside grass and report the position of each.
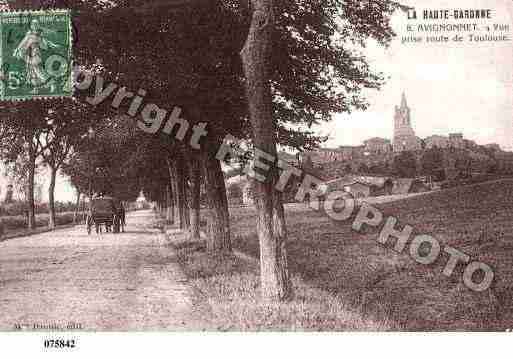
(345, 280)
(229, 285)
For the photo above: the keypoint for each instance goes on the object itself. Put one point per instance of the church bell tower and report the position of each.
(404, 135)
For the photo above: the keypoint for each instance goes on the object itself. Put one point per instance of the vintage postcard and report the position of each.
(256, 166)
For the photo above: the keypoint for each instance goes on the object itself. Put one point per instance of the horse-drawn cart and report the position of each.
(103, 211)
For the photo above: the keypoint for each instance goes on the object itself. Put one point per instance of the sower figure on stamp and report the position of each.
(29, 50)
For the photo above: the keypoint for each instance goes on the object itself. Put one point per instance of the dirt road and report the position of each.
(118, 282)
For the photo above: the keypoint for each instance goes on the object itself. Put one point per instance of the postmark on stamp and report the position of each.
(35, 54)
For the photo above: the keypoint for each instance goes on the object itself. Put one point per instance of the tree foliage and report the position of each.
(432, 162)
(405, 165)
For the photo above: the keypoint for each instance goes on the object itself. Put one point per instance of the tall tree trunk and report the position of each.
(77, 208)
(279, 224)
(170, 205)
(51, 198)
(174, 189)
(256, 60)
(84, 209)
(218, 238)
(280, 232)
(30, 189)
(194, 200)
(177, 173)
(185, 219)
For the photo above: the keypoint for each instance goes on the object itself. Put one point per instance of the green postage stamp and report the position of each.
(35, 54)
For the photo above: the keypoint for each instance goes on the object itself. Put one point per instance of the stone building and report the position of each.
(494, 146)
(455, 140)
(377, 145)
(436, 141)
(470, 144)
(350, 152)
(326, 155)
(141, 202)
(404, 135)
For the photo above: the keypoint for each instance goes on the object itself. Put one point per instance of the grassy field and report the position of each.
(346, 281)
(17, 223)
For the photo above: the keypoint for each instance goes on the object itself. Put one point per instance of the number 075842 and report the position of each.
(59, 343)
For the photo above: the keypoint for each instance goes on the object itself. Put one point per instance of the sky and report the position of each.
(465, 87)
(450, 88)
(64, 192)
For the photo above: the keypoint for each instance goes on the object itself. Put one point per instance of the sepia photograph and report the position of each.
(255, 166)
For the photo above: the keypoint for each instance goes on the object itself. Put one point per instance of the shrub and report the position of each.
(12, 223)
(19, 208)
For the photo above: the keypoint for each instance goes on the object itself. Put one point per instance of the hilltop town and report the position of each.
(379, 156)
